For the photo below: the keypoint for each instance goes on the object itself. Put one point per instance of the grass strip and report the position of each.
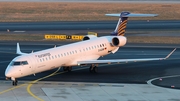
(131, 39)
(71, 11)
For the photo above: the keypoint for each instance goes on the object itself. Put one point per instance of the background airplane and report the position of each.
(85, 52)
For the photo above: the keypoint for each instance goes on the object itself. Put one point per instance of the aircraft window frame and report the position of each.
(18, 63)
(24, 63)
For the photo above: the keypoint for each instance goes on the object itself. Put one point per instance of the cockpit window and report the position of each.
(17, 63)
(24, 63)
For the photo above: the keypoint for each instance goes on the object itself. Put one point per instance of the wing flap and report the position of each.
(117, 61)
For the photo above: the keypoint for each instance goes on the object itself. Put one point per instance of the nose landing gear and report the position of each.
(14, 81)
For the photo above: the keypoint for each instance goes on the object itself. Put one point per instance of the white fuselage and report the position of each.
(66, 55)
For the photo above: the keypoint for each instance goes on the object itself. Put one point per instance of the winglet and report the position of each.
(18, 51)
(170, 54)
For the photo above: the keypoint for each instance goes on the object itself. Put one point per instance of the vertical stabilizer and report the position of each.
(18, 50)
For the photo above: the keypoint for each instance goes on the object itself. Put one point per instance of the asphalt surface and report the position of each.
(89, 26)
(107, 1)
(134, 73)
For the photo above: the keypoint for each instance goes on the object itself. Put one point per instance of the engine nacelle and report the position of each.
(118, 41)
(88, 37)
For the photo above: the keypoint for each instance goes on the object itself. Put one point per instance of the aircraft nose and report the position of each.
(9, 71)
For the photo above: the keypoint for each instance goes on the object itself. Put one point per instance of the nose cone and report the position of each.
(9, 71)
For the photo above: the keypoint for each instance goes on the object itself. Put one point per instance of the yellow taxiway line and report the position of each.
(32, 82)
(53, 74)
(29, 86)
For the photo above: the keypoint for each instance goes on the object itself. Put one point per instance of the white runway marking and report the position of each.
(19, 31)
(150, 81)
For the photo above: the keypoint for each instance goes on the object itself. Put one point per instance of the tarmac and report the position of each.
(79, 91)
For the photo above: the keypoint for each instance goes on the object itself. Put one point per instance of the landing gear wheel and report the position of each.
(64, 68)
(67, 68)
(93, 69)
(14, 83)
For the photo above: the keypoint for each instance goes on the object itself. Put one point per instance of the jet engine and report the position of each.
(118, 41)
(87, 37)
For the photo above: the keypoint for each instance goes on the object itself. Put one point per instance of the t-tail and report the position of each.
(123, 18)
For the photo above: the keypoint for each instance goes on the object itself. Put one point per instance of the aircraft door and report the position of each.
(32, 64)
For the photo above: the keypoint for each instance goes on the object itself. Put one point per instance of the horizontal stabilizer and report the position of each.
(123, 18)
(133, 15)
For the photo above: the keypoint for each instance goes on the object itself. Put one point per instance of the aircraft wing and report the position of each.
(123, 60)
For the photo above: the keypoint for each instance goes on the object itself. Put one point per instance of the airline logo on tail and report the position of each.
(122, 27)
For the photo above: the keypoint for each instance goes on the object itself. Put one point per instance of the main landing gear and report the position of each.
(93, 69)
(68, 68)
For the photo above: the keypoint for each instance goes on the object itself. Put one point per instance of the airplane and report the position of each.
(85, 52)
